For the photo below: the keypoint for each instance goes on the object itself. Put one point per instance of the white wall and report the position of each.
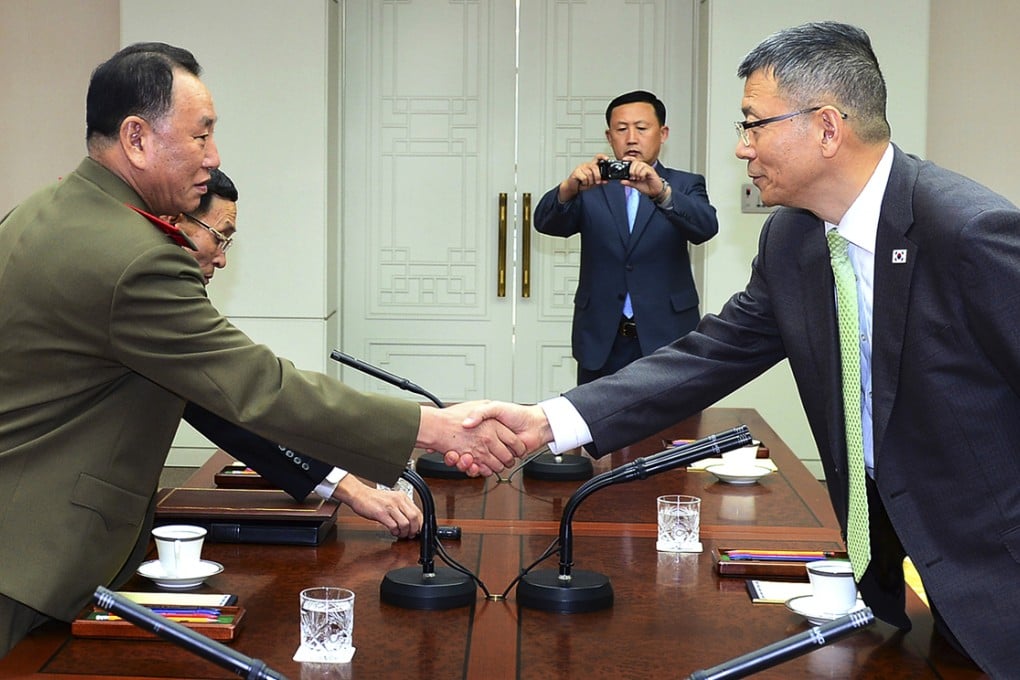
(973, 100)
(48, 49)
(734, 27)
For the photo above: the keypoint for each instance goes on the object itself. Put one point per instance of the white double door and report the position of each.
(456, 117)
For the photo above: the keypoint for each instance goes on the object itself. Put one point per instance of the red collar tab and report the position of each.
(171, 230)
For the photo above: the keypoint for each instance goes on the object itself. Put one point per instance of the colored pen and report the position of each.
(186, 611)
(782, 555)
(179, 618)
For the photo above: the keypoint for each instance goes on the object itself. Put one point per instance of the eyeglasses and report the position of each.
(743, 125)
(222, 242)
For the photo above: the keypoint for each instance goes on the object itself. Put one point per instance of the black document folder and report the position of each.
(249, 515)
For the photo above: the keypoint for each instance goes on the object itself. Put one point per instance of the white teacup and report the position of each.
(179, 547)
(832, 585)
(741, 456)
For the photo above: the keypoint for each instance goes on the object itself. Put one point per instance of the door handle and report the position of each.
(501, 255)
(526, 247)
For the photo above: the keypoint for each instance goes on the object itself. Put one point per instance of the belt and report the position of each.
(628, 328)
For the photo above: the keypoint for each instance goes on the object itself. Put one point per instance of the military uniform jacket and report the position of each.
(105, 332)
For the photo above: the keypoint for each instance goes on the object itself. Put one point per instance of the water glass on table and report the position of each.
(327, 625)
(679, 523)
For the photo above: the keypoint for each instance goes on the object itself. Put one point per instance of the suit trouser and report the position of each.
(626, 349)
(886, 570)
(16, 621)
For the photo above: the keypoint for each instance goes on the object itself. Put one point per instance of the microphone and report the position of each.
(784, 650)
(428, 587)
(570, 591)
(385, 376)
(428, 464)
(195, 642)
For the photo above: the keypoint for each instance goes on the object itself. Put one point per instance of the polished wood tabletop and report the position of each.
(672, 613)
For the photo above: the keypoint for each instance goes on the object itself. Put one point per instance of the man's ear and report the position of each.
(172, 219)
(135, 139)
(833, 130)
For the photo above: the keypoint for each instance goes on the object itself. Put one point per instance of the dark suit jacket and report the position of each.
(651, 263)
(294, 472)
(946, 386)
(105, 332)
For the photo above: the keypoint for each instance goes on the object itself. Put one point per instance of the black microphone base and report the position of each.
(551, 467)
(586, 591)
(408, 588)
(434, 465)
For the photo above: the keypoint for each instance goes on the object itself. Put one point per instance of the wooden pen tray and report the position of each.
(769, 569)
(87, 626)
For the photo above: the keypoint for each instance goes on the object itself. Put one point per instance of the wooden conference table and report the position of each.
(672, 614)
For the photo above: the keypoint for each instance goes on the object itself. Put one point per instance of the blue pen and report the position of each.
(186, 611)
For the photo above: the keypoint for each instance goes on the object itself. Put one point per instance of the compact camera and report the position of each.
(614, 169)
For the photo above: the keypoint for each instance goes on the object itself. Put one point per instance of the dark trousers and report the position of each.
(16, 621)
(625, 350)
(886, 572)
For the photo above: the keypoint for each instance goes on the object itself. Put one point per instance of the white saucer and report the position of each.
(153, 571)
(738, 473)
(805, 606)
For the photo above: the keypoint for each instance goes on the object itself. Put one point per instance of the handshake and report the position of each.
(483, 437)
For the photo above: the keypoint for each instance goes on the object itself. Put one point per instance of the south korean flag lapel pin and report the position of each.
(899, 256)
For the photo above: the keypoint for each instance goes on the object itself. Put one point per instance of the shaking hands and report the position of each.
(483, 437)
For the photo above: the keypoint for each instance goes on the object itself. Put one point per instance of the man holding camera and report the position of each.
(636, 218)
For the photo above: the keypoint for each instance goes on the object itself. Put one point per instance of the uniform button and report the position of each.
(630, 267)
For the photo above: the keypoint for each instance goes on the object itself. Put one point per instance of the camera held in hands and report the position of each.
(614, 169)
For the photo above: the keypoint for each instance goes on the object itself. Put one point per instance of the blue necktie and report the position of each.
(858, 535)
(632, 205)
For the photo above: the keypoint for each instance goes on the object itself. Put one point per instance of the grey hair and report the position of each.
(825, 63)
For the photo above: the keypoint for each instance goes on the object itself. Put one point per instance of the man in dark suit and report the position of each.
(935, 259)
(106, 332)
(211, 228)
(635, 290)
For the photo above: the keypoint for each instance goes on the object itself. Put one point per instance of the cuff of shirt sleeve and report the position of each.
(568, 427)
(327, 486)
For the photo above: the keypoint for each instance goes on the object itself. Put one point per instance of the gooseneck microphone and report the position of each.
(569, 590)
(428, 464)
(784, 650)
(385, 376)
(194, 642)
(427, 587)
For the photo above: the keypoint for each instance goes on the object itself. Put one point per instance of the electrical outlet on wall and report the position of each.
(750, 200)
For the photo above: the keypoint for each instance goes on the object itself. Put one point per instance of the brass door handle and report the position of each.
(526, 247)
(501, 256)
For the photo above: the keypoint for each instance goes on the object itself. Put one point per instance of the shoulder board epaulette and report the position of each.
(171, 230)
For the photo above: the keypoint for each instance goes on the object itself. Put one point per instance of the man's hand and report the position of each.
(483, 449)
(585, 176)
(529, 423)
(393, 509)
(645, 179)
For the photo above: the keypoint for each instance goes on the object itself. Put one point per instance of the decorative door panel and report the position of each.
(428, 137)
(442, 113)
